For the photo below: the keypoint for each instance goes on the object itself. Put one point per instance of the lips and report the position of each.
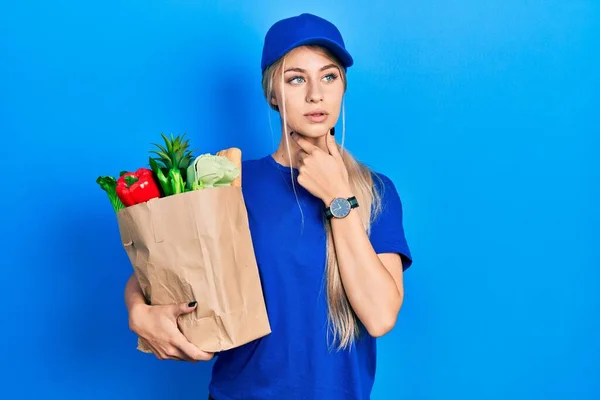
(316, 116)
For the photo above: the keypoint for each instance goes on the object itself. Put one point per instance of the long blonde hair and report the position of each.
(343, 323)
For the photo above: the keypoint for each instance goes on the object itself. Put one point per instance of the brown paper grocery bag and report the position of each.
(196, 246)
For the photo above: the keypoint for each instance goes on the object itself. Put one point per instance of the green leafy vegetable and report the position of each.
(164, 182)
(176, 181)
(211, 171)
(109, 185)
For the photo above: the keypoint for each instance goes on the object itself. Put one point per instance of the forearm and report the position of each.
(370, 288)
(133, 293)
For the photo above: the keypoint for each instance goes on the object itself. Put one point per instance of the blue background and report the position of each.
(483, 113)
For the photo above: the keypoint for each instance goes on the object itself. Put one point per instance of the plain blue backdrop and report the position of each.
(485, 115)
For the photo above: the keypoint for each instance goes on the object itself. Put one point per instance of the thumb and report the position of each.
(184, 308)
(332, 145)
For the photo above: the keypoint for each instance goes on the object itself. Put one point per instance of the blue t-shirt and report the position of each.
(295, 361)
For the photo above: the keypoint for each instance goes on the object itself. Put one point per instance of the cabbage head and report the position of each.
(209, 171)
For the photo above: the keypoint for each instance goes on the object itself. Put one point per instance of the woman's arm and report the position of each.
(158, 325)
(373, 283)
(133, 293)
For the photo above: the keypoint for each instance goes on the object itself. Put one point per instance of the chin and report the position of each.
(314, 131)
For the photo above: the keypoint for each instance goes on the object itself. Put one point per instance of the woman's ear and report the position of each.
(273, 100)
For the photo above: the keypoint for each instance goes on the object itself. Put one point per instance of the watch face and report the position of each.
(340, 207)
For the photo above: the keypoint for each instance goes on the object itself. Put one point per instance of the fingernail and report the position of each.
(332, 131)
(192, 304)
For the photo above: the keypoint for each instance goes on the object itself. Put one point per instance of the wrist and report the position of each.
(341, 192)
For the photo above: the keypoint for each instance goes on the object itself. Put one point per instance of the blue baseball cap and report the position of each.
(304, 29)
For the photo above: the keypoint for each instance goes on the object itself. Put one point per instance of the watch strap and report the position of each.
(353, 202)
(328, 213)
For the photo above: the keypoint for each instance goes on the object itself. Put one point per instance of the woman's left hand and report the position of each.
(322, 173)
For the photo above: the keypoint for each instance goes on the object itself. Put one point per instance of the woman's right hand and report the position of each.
(157, 325)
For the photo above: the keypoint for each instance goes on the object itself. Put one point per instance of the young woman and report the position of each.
(328, 238)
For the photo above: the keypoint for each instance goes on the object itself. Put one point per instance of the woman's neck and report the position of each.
(281, 154)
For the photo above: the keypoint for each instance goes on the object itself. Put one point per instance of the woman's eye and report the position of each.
(296, 79)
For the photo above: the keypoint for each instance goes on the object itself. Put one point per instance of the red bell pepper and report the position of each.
(137, 187)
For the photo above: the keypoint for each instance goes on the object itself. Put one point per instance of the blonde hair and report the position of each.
(343, 323)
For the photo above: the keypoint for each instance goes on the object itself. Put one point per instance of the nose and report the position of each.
(314, 92)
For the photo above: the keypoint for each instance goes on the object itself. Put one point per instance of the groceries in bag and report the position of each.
(184, 225)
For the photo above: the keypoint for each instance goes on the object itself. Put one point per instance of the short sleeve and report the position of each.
(387, 230)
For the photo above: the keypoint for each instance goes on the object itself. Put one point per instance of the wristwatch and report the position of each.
(340, 207)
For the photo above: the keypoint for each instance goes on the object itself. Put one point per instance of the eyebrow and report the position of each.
(304, 71)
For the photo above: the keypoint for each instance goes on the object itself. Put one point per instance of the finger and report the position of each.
(188, 350)
(304, 145)
(176, 354)
(194, 353)
(333, 147)
(183, 308)
(302, 156)
(158, 353)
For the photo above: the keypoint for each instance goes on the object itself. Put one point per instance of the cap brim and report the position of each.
(338, 51)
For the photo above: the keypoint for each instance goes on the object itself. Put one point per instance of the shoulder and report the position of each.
(253, 167)
(257, 174)
(387, 202)
(383, 184)
(251, 163)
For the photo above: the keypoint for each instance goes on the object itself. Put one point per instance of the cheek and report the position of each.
(335, 102)
(294, 105)
(294, 98)
(338, 93)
